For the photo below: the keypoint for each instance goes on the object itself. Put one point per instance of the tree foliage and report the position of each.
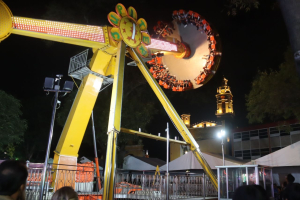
(234, 6)
(12, 126)
(275, 95)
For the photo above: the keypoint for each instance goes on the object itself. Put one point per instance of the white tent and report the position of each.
(141, 163)
(288, 156)
(284, 161)
(189, 161)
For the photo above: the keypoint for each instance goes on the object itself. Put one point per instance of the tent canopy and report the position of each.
(141, 164)
(189, 161)
(288, 156)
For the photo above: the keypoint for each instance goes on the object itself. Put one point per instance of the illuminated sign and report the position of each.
(84, 32)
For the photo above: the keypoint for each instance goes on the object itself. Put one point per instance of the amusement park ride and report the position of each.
(184, 58)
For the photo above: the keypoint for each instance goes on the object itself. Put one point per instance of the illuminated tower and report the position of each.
(224, 101)
(186, 120)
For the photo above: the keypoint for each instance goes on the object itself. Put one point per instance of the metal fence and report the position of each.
(127, 186)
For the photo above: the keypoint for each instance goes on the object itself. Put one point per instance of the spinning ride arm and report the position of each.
(181, 127)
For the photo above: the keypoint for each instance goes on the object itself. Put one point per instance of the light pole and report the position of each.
(167, 131)
(221, 135)
(49, 86)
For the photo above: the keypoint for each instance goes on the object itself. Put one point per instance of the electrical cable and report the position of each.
(74, 82)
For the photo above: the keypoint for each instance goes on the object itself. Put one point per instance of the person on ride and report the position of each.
(182, 16)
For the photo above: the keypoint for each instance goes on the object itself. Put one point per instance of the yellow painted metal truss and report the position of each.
(108, 60)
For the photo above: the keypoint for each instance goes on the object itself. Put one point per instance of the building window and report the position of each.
(237, 136)
(283, 132)
(223, 107)
(295, 127)
(238, 154)
(254, 133)
(274, 132)
(264, 151)
(246, 155)
(275, 149)
(263, 133)
(245, 136)
(255, 152)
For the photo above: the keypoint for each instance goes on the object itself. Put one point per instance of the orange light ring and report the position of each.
(199, 79)
(175, 85)
(179, 84)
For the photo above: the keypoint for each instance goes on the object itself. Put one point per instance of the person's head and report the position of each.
(284, 184)
(250, 192)
(13, 175)
(294, 193)
(290, 178)
(65, 193)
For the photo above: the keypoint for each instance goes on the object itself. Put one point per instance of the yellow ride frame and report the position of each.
(108, 60)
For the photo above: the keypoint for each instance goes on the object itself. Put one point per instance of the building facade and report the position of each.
(205, 133)
(253, 142)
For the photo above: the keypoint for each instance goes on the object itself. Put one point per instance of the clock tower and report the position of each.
(224, 101)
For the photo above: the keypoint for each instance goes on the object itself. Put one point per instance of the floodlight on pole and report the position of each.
(50, 86)
(221, 135)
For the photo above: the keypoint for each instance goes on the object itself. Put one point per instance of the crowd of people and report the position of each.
(287, 190)
(164, 29)
(166, 80)
(13, 177)
(191, 17)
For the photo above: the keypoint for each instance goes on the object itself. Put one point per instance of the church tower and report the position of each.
(224, 101)
(186, 120)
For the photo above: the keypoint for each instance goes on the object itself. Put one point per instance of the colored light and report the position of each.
(85, 32)
(162, 45)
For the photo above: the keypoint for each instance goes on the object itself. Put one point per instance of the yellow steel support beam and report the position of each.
(71, 137)
(147, 135)
(114, 123)
(183, 130)
(74, 129)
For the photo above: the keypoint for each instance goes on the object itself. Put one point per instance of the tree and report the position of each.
(12, 126)
(275, 95)
(290, 12)
(233, 6)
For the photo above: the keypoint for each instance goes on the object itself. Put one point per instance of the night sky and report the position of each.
(251, 41)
